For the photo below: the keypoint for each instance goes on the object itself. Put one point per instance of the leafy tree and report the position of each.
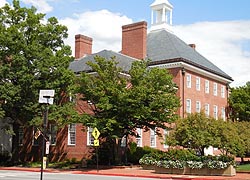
(145, 99)
(239, 101)
(33, 56)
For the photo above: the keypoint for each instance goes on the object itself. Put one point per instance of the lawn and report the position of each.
(243, 167)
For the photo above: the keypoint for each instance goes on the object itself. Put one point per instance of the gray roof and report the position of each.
(80, 65)
(165, 47)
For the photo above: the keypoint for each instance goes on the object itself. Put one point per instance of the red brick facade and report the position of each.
(83, 46)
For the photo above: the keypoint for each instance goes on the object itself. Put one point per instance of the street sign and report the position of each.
(96, 142)
(46, 93)
(47, 147)
(95, 133)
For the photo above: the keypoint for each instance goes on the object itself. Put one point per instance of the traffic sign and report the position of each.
(96, 142)
(95, 133)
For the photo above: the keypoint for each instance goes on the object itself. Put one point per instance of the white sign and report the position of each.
(46, 96)
(47, 147)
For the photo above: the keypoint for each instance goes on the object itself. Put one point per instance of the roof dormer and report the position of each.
(161, 15)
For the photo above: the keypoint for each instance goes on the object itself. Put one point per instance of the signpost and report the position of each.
(96, 135)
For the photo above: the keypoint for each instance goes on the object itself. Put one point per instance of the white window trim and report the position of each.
(52, 134)
(69, 140)
(223, 113)
(198, 83)
(189, 81)
(215, 89)
(89, 137)
(207, 86)
(165, 134)
(198, 106)
(152, 134)
(20, 135)
(222, 91)
(139, 132)
(215, 112)
(188, 108)
(207, 109)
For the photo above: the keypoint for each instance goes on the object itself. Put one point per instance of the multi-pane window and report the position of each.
(188, 105)
(198, 84)
(215, 89)
(189, 81)
(222, 91)
(206, 86)
(207, 109)
(52, 134)
(198, 106)
(165, 135)
(139, 137)
(72, 134)
(223, 113)
(152, 138)
(215, 112)
(90, 138)
(20, 135)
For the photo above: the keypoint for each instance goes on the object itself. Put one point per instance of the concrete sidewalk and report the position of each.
(133, 172)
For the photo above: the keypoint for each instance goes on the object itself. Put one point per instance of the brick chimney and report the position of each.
(134, 40)
(83, 45)
(192, 46)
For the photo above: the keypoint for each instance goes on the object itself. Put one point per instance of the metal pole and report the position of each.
(44, 136)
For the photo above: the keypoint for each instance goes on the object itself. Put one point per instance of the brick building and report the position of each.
(201, 84)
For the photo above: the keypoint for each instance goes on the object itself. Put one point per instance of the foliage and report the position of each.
(118, 109)
(33, 56)
(244, 133)
(239, 101)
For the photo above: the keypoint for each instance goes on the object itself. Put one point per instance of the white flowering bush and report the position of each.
(147, 160)
(217, 164)
(171, 164)
(195, 164)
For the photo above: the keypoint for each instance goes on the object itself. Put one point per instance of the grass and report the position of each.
(243, 167)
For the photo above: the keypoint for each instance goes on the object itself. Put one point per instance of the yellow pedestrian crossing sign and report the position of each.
(96, 142)
(95, 133)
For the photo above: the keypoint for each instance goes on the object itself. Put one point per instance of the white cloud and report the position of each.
(41, 5)
(226, 44)
(103, 26)
(3, 2)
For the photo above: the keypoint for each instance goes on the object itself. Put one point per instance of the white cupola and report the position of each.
(161, 15)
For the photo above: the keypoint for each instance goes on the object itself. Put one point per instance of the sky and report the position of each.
(219, 28)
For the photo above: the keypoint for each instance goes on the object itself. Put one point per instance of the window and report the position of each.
(215, 89)
(165, 135)
(215, 112)
(20, 136)
(35, 141)
(152, 138)
(189, 80)
(139, 137)
(198, 106)
(222, 91)
(198, 84)
(188, 106)
(207, 110)
(207, 87)
(52, 134)
(223, 113)
(72, 134)
(90, 138)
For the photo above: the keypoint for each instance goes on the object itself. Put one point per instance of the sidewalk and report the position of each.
(133, 172)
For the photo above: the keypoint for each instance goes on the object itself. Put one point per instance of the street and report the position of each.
(23, 175)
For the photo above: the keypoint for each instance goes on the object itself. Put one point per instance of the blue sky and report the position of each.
(219, 28)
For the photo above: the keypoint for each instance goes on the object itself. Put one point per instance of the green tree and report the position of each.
(149, 101)
(33, 56)
(239, 101)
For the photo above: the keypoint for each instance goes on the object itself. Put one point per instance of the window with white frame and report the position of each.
(152, 138)
(90, 138)
(188, 106)
(189, 85)
(165, 135)
(198, 84)
(207, 86)
(139, 137)
(215, 89)
(198, 106)
(71, 134)
(223, 113)
(20, 135)
(215, 112)
(52, 134)
(207, 109)
(222, 91)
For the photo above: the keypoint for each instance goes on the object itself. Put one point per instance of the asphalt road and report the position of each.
(23, 175)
